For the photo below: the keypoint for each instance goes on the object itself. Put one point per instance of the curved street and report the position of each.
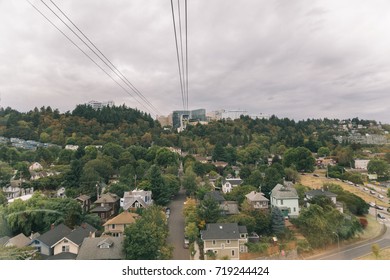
(357, 250)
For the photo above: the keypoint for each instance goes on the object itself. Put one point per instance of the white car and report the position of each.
(380, 196)
(372, 204)
(365, 189)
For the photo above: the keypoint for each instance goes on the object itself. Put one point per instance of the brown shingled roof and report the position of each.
(123, 218)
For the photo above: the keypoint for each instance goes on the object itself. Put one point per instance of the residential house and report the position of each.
(106, 206)
(227, 207)
(221, 164)
(257, 200)
(71, 242)
(71, 147)
(321, 192)
(18, 241)
(11, 192)
(361, 163)
(285, 197)
(44, 243)
(35, 167)
(136, 199)
(224, 240)
(85, 202)
(102, 248)
(229, 183)
(116, 226)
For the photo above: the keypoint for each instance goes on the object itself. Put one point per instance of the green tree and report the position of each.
(277, 221)
(146, 238)
(189, 181)
(165, 157)
(323, 152)
(3, 199)
(291, 174)
(271, 179)
(219, 152)
(379, 167)
(299, 157)
(209, 211)
(160, 193)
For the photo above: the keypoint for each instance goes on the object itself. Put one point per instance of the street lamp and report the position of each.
(338, 240)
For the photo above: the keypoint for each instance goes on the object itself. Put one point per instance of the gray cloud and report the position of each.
(298, 59)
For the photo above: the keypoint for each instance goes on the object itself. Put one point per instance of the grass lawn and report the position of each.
(317, 182)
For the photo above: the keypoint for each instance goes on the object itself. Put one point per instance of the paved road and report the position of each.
(355, 251)
(176, 227)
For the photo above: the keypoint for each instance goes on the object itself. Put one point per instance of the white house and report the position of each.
(285, 197)
(361, 163)
(229, 183)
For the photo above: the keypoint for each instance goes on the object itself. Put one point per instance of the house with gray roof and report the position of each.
(44, 243)
(321, 192)
(224, 240)
(257, 200)
(285, 197)
(136, 199)
(229, 183)
(102, 248)
(71, 243)
(18, 241)
(227, 207)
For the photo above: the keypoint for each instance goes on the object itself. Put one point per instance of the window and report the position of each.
(222, 246)
(65, 240)
(281, 202)
(228, 241)
(113, 226)
(213, 242)
(233, 253)
(65, 248)
(295, 209)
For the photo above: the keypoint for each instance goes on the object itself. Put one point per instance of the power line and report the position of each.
(126, 81)
(93, 52)
(88, 56)
(186, 28)
(177, 54)
(182, 58)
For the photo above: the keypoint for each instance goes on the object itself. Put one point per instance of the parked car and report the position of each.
(365, 189)
(380, 196)
(372, 192)
(372, 204)
(186, 243)
(379, 207)
(380, 216)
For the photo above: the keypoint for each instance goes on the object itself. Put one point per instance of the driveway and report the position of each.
(176, 227)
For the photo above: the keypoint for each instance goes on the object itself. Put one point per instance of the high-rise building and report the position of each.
(180, 117)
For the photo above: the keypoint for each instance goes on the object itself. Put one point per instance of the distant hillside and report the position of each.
(83, 126)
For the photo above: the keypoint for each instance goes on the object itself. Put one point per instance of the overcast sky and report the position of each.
(297, 59)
